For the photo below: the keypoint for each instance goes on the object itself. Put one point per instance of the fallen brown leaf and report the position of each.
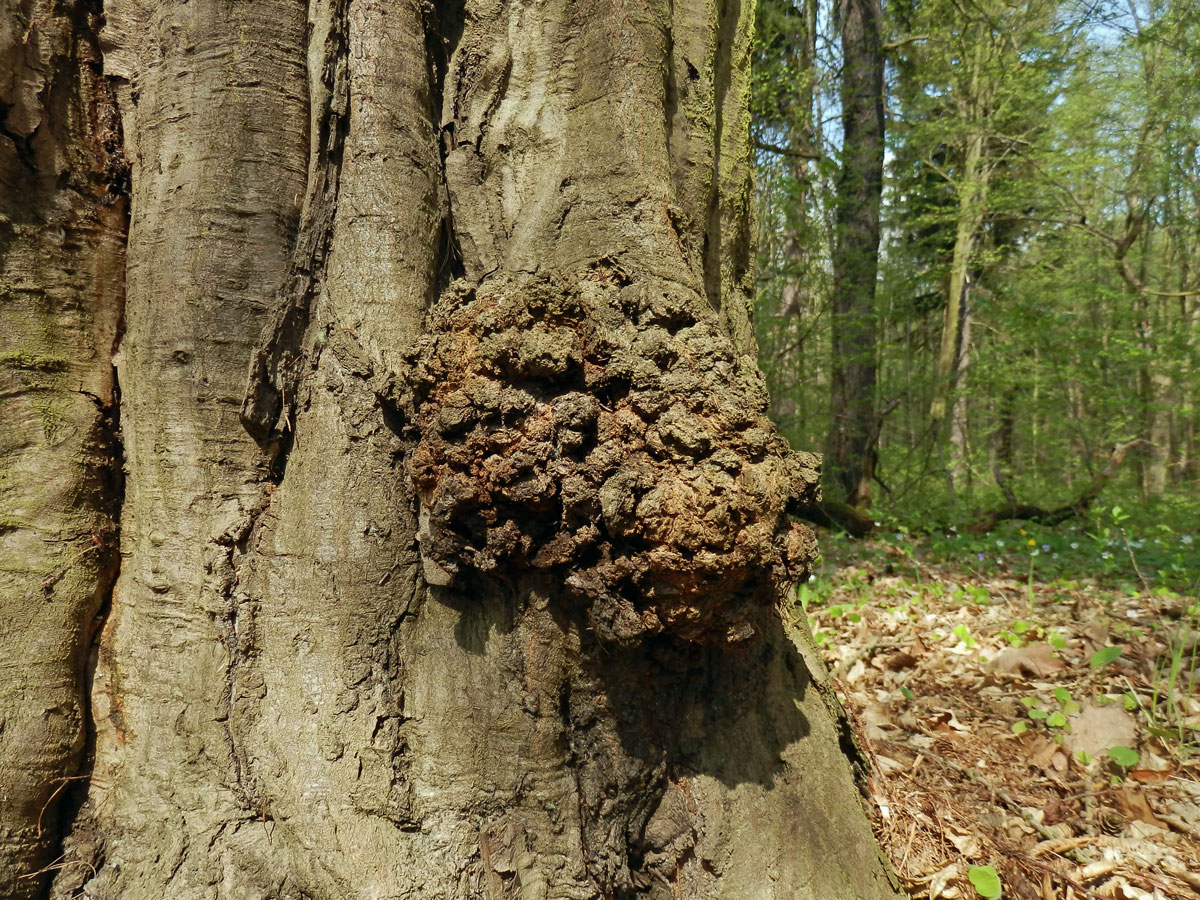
(1096, 728)
(1032, 660)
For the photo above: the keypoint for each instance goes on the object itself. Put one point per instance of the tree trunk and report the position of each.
(473, 592)
(798, 250)
(1004, 438)
(960, 448)
(62, 223)
(850, 456)
(1155, 388)
(971, 193)
(1189, 441)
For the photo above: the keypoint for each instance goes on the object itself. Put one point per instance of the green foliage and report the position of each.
(1124, 757)
(986, 881)
(1083, 230)
(1104, 656)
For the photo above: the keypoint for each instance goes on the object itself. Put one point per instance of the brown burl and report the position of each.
(606, 433)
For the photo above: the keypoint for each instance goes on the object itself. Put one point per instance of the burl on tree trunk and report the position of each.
(473, 589)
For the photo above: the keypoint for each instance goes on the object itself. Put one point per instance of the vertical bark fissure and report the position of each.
(286, 343)
(444, 23)
(287, 348)
(728, 260)
(75, 843)
(212, 98)
(110, 478)
(713, 244)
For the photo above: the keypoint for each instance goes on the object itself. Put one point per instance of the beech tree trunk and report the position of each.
(850, 459)
(62, 227)
(452, 536)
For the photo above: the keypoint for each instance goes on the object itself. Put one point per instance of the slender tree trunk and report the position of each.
(800, 296)
(1189, 462)
(971, 197)
(473, 591)
(802, 140)
(1003, 443)
(850, 456)
(960, 464)
(1155, 388)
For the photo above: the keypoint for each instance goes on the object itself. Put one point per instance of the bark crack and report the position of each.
(443, 30)
(100, 179)
(78, 844)
(275, 367)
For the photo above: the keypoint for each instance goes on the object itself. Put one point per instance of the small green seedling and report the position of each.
(986, 881)
(1125, 757)
(1104, 656)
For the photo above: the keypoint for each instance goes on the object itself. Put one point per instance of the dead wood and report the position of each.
(1058, 514)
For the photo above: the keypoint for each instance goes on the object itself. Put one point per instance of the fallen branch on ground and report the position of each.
(1058, 514)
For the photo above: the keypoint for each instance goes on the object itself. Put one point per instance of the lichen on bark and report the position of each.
(603, 430)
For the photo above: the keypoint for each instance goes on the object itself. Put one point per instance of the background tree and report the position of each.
(793, 184)
(974, 88)
(850, 459)
(472, 589)
(1035, 292)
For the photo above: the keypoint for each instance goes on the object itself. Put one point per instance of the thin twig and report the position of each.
(62, 783)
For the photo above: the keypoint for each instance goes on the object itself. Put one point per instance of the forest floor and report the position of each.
(1031, 730)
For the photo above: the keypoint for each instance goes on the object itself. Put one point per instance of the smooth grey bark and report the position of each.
(295, 696)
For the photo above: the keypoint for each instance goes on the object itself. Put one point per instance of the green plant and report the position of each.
(1053, 718)
(1104, 656)
(1125, 757)
(1175, 678)
(986, 881)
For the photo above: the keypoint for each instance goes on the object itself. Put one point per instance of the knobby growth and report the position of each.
(603, 431)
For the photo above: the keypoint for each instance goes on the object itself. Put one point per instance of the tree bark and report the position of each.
(473, 590)
(801, 144)
(850, 456)
(62, 223)
(971, 196)
(960, 447)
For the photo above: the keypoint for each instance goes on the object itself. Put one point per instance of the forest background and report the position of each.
(979, 295)
(1031, 335)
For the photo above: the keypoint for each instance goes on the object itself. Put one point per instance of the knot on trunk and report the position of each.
(605, 433)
